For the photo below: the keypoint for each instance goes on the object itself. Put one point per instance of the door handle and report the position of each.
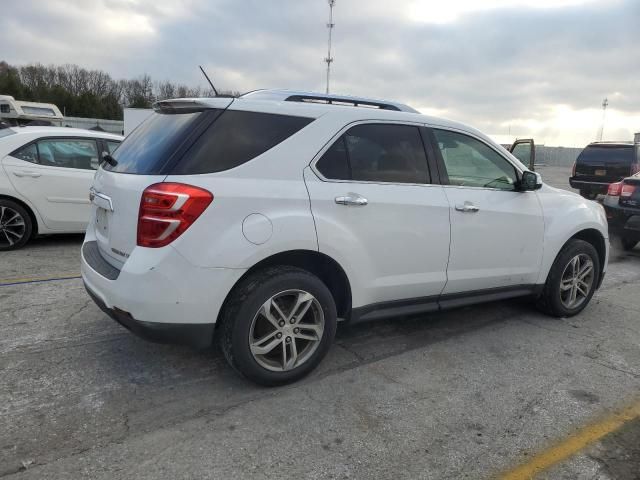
(352, 199)
(27, 174)
(467, 207)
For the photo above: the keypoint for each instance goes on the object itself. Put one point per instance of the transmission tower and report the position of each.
(329, 58)
(605, 104)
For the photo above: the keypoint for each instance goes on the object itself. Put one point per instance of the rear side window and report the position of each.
(235, 138)
(376, 152)
(148, 148)
(606, 154)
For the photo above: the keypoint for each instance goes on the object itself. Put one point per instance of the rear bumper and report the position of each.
(192, 335)
(591, 186)
(158, 294)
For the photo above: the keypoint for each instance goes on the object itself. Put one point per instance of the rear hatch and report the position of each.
(605, 163)
(145, 157)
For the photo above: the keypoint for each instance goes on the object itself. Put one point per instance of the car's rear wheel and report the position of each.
(628, 243)
(277, 325)
(572, 280)
(15, 225)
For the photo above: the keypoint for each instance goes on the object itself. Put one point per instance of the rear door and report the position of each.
(496, 231)
(55, 175)
(378, 214)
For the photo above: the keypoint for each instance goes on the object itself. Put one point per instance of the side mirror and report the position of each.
(525, 151)
(530, 181)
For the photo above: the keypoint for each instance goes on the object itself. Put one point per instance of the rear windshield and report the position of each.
(170, 143)
(607, 154)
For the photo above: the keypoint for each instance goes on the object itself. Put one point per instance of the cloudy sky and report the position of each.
(521, 67)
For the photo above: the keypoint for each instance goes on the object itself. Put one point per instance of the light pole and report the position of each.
(329, 58)
(605, 104)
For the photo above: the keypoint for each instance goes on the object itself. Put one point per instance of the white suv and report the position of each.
(264, 220)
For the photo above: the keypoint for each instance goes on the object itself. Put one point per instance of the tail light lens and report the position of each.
(167, 210)
(614, 189)
(573, 170)
(627, 191)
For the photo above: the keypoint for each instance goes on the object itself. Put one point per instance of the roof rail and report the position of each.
(313, 97)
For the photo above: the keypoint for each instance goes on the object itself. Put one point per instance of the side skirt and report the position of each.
(413, 306)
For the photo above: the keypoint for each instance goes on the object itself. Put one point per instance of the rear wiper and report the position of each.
(109, 159)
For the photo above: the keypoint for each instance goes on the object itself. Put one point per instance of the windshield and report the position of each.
(5, 132)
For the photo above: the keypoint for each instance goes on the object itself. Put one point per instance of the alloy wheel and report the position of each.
(12, 226)
(576, 281)
(286, 331)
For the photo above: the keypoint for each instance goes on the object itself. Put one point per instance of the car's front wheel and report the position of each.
(572, 280)
(15, 225)
(277, 325)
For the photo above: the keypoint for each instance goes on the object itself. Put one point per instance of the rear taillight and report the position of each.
(167, 210)
(627, 191)
(614, 189)
(573, 170)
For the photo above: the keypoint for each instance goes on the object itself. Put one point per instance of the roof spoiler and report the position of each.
(191, 105)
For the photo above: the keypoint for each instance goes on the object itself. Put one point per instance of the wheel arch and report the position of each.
(32, 215)
(319, 264)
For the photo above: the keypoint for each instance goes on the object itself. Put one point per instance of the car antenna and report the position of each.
(208, 80)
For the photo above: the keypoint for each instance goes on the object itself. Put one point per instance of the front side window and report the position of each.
(471, 163)
(68, 153)
(376, 152)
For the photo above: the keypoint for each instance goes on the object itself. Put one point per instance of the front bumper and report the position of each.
(191, 334)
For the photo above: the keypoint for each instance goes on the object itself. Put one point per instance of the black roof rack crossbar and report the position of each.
(341, 101)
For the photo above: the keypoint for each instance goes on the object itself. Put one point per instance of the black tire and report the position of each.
(10, 226)
(550, 301)
(242, 307)
(588, 194)
(628, 244)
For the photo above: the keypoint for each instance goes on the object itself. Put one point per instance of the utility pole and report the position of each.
(329, 58)
(605, 104)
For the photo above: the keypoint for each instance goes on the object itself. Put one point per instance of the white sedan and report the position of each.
(45, 176)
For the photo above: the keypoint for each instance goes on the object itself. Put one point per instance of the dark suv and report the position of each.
(623, 210)
(602, 163)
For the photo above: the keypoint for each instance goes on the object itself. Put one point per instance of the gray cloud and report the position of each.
(487, 68)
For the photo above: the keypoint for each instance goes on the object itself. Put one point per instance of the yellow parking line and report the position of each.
(573, 444)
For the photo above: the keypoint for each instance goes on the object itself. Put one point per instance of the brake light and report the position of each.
(167, 210)
(627, 190)
(614, 189)
(573, 170)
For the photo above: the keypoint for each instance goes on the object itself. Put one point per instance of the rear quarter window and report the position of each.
(235, 138)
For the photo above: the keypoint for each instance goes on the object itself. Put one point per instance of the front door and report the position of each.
(496, 230)
(377, 213)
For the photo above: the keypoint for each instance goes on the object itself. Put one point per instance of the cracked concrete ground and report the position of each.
(462, 394)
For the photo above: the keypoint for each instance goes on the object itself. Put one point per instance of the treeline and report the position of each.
(79, 92)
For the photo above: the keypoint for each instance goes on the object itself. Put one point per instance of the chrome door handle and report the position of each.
(352, 199)
(27, 174)
(467, 207)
